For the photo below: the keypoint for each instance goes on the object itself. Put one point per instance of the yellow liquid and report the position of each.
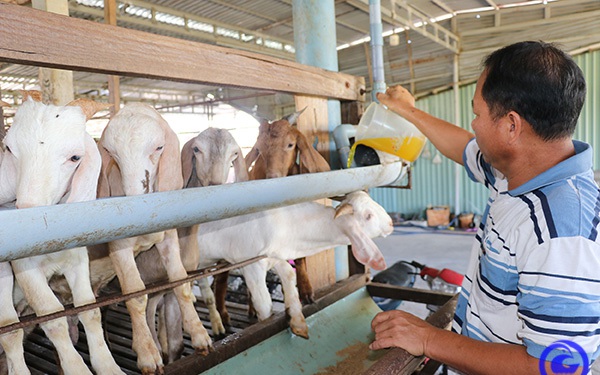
(407, 148)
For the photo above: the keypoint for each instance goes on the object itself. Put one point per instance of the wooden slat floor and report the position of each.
(41, 358)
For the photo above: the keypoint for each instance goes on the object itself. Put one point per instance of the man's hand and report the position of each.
(400, 329)
(397, 98)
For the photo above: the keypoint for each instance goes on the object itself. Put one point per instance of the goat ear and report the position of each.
(4, 104)
(251, 157)
(85, 179)
(311, 160)
(89, 107)
(187, 162)
(34, 95)
(170, 176)
(8, 176)
(239, 167)
(343, 209)
(103, 183)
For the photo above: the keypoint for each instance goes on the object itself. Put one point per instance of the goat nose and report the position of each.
(20, 205)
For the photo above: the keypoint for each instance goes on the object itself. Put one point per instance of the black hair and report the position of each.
(538, 81)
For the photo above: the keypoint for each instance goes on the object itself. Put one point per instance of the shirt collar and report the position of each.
(579, 163)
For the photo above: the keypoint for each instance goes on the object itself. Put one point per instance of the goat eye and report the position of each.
(196, 149)
(159, 148)
(291, 145)
(8, 149)
(369, 217)
(75, 158)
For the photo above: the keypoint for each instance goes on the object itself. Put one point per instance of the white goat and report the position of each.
(50, 159)
(140, 154)
(276, 234)
(206, 160)
(280, 150)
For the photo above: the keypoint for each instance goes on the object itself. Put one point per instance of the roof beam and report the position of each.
(417, 21)
(255, 43)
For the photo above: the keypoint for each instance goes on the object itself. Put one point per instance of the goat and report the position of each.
(140, 154)
(206, 160)
(50, 159)
(276, 234)
(274, 154)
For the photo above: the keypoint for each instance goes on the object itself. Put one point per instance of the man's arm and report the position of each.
(400, 329)
(450, 139)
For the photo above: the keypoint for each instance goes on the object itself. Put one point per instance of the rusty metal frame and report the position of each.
(28, 320)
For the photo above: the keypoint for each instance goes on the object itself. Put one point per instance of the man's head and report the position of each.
(539, 82)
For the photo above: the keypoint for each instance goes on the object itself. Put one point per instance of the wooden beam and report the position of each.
(56, 85)
(37, 38)
(114, 86)
(400, 362)
(314, 125)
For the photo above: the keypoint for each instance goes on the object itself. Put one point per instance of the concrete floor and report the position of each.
(435, 248)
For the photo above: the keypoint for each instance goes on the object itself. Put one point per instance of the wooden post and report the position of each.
(114, 87)
(56, 85)
(314, 124)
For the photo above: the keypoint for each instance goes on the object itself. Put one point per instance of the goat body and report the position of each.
(140, 154)
(206, 160)
(276, 234)
(50, 159)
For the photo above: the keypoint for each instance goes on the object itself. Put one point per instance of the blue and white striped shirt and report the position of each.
(534, 272)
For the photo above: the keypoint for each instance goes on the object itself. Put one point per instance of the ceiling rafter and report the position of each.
(417, 21)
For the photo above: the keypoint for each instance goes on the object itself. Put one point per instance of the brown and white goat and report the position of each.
(140, 155)
(50, 159)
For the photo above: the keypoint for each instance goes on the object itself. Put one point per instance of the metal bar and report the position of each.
(256, 333)
(376, 48)
(42, 230)
(28, 320)
(400, 362)
(408, 294)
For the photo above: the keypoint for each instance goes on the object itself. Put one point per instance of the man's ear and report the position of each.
(513, 126)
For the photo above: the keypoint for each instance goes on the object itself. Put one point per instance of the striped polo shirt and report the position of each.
(534, 272)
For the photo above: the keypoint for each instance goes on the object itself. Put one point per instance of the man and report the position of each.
(533, 277)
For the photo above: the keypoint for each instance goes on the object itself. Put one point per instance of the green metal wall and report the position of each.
(435, 184)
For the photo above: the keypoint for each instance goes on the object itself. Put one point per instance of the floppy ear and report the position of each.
(85, 179)
(310, 159)
(187, 162)
(89, 107)
(170, 176)
(239, 167)
(251, 157)
(103, 183)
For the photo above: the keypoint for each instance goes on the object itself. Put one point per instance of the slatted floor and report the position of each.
(41, 358)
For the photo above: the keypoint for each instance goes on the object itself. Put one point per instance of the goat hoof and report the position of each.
(300, 332)
(307, 299)
(159, 371)
(204, 351)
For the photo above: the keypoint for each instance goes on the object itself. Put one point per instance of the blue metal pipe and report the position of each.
(376, 48)
(41, 230)
(315, 42)
(341, 137)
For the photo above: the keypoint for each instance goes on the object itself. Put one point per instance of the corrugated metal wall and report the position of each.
(434, 183)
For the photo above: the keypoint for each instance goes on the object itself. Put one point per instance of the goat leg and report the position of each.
(305, 289)
(220, 293)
